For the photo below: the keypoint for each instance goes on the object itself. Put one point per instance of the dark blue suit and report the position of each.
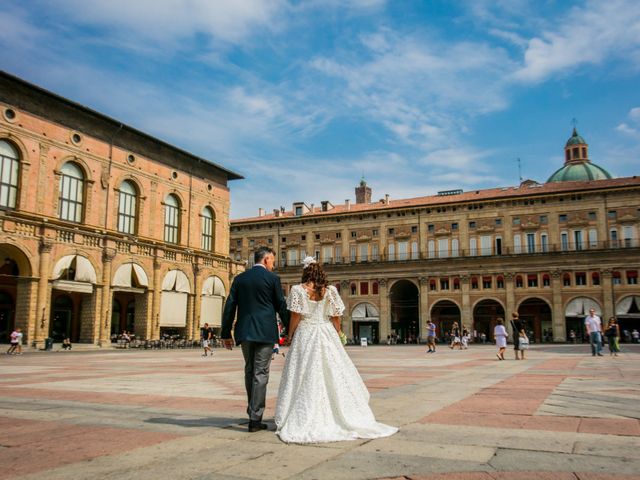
(255, 298)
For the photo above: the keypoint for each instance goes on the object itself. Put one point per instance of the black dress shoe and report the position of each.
(257, 426)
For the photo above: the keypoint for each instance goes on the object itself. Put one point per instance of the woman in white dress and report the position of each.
(321, 396)
(500, 334)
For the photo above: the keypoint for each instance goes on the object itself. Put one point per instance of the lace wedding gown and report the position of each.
(321, 396)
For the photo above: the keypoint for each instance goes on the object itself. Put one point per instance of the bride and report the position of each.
(321, 396)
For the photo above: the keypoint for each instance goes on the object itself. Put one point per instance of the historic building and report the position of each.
(104, 228)
(549, 251)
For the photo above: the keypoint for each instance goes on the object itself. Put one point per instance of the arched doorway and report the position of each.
(365, 318)
(405, 314)
(443, 314)
(211, 303)
(628, 315)
(485, 314)
(7, 309)
(536, 313)
(63, 319)
(173, 304)
(13, 265)
(130, 290)
(574, 313)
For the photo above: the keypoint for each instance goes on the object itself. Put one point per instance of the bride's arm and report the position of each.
(294, 319)
(336, 324)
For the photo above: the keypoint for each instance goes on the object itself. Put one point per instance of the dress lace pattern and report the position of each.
(322, 397)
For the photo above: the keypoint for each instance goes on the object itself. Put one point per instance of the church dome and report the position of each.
(577, 166)
(573, 172)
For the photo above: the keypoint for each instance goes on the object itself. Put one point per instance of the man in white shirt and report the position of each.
(593, 324)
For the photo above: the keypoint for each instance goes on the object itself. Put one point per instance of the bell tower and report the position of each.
(363, 192)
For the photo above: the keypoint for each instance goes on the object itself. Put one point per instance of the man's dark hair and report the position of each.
(262, 252)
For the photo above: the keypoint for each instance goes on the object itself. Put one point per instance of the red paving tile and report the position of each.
(604, 476)
(552, 423)
(610, 426)
(52, 444)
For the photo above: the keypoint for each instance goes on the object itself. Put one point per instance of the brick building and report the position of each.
(549, 251)
(104, 228)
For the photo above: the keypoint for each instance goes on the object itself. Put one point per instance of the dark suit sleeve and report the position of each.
(280, 303)
(229, 313)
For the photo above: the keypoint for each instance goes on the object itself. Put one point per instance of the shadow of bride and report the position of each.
(204, 422)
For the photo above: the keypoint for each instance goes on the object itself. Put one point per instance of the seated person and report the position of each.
(66, 344)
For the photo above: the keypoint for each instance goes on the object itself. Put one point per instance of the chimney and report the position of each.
(276, 212)
(261, 212)
(386, 199)
(347, 202)
(311, 208)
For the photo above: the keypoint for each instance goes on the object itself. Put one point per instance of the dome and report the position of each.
(576, 139)
(579, 171)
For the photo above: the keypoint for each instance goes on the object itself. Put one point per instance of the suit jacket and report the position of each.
(255, 298)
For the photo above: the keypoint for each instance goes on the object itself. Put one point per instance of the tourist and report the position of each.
(500, 334)
(613, 334)
(455, 335)
(431, 336)
(15, 347)
(205, 338)
(593, 324)
(516, 326)
(66, 344)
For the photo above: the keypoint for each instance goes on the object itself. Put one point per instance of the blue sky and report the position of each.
(304, 97)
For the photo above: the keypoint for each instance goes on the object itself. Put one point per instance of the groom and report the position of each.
(256, 294)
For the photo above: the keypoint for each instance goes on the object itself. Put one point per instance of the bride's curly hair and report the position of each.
(315, 273)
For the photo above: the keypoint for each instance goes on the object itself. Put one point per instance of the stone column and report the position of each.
(466, 315)
(385, 311)
(510, 301)
(557, 312)
(154, 330)
(608, 299)
(194, 331)
(26, 312)
(42, 303)
(424, 306)
(108, 254)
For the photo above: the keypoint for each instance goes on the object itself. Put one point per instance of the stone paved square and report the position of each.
(462, 414)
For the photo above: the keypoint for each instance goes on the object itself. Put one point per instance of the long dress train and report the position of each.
(322, 397)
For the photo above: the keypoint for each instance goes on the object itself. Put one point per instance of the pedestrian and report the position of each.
(483, 338)
(256, 296)
(500, 334)
(464, 340)
(593, 324)
(572, 336)
(205, 337)
(455, 335)
(15, 341)
(276, 351)
(66, 344)
(635, 335)
(613, 334)
(431, 336)
(523, 343)
(516, 326)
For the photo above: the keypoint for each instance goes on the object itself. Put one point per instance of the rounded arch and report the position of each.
(444, 312)
(446, 299)
(365, 312)
(174, 199)
(127, 177)
(14, 253)
(176, 280)
(628, 304)
(17, 144)
(579, 305)
(535, 312)
(485, 313)
(392, 283)
(213, 285)
(404, 296)
(80, 163)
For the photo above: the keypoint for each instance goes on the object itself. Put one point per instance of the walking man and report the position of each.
(431, 336)
(205, 336)
(593, 324)
(254, 300)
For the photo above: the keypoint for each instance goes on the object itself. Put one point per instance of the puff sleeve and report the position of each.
(336, 306)
(296, 301)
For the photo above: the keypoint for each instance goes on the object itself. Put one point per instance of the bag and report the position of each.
(523, 343)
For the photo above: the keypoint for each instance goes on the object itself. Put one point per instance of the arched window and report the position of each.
(71, 192)
(171, 219)
(207, 229)
(9, 166)
(127, 207)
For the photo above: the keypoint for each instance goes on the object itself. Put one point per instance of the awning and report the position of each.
(130, 275)
(579, 307)
(213, 286)
(71, 286)
(624, 305)
(211, 311)
(83, 271)
(365, 312)
(173, 309)
(176, 280)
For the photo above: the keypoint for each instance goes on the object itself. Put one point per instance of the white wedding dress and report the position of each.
(321, 396)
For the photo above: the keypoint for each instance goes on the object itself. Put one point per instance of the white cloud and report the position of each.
(589, 35)
(169, 21)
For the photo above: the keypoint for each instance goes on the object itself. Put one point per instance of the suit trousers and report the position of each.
(257, 360)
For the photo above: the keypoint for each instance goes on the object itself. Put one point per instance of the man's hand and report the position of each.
(228, 343)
